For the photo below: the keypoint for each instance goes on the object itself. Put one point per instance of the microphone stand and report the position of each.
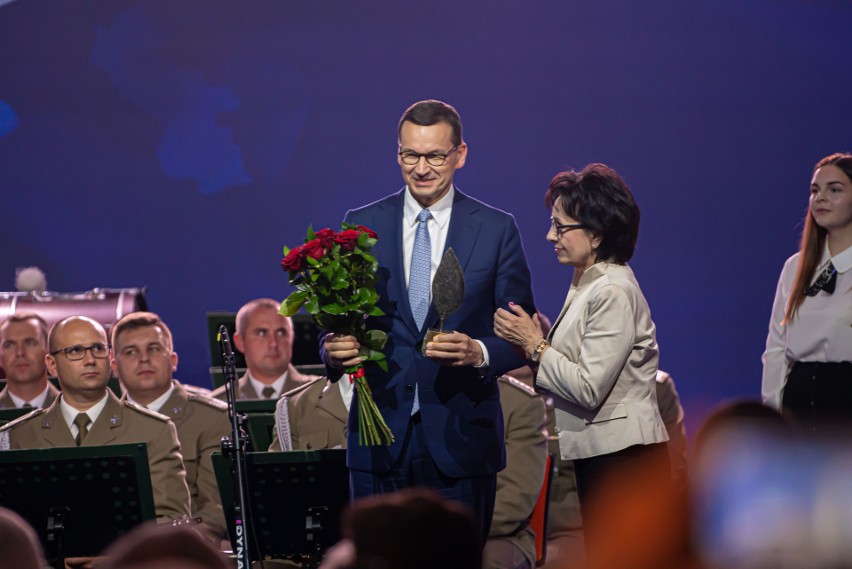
(236, 449)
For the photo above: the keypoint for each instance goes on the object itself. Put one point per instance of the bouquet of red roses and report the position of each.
(335, 278)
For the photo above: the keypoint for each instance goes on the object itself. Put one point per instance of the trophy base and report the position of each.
(431, 333)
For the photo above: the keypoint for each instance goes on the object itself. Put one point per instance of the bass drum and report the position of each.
(105, 305)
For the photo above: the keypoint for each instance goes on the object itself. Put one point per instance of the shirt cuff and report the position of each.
(484, 356)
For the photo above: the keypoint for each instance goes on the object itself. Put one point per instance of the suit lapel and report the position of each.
(461, 236)
(571, 292)
(391, 234)
(55, 431)
(332, 402)
(108, 424)
(175, 405)
(6, 399)
(246, 389)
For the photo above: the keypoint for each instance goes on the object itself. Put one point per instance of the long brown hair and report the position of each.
(813, 241)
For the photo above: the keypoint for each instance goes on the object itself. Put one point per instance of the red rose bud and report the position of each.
(326, 237)
(314, 248)
(368, 231)
(347, 239)
(294, 261)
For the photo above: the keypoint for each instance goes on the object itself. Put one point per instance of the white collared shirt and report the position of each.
(347, 390)
(157, 403)
(277, 385)
(36, 402)
(821, 331)
(439, 228)
(70, 413)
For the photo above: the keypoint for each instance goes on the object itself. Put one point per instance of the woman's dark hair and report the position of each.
(813, 241)
(600, 199)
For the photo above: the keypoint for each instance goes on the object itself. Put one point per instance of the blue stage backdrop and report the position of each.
(180, 145)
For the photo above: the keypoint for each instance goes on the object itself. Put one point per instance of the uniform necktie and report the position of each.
(27, 405)
(82, 421)
(418, 280)
(268, 392)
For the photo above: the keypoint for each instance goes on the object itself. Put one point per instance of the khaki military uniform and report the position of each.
(201, 422)
(511, 542)
(310, 417)
(120, 422)
(245, 390)
(7, 403)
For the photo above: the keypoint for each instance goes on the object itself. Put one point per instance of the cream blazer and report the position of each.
(601, 367)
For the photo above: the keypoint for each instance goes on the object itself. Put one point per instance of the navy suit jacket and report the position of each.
(460, 407)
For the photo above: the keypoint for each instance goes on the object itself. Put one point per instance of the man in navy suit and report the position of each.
(443, 408)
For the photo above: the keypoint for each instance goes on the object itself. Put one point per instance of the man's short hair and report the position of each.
(414, 528)
(431, 112)
(23, 317)
(248, 307)
(136, 320)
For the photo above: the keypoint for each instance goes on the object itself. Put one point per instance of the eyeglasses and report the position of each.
(74, 353)
(433, 159)
(561, 228)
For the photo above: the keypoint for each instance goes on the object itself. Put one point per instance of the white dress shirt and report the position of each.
(157, 403)
(439, 228)
(36, 402)
(277, 385)
(438, 224)
(821, 331)
(347, 390)
(69, 413)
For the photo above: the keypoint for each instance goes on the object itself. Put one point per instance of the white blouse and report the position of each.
(821, 331)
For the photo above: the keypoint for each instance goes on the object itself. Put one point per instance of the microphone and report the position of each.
(225, 340)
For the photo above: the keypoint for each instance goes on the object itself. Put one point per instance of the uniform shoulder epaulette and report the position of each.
(144, 410)
(509, 380)
(195, 389)
(205, 399)
(22, 419)
(306, 385)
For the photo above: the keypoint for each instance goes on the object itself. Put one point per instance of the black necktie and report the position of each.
(826, 281)
(268, 392)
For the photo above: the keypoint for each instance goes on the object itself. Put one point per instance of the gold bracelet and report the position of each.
(535, 356)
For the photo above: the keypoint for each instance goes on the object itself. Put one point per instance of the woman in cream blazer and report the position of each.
(599, 362)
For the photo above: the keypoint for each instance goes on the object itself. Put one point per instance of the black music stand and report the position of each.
(296, 499)
(7, 415)
(78, 499)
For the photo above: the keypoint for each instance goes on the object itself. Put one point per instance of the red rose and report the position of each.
(326, 237)
(314, 248)
(347, 239)
(368, 231)
(295, 260)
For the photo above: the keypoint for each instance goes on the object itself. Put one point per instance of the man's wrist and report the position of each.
(484, 354)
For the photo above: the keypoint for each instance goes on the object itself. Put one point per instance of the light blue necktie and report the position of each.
(418, 280)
